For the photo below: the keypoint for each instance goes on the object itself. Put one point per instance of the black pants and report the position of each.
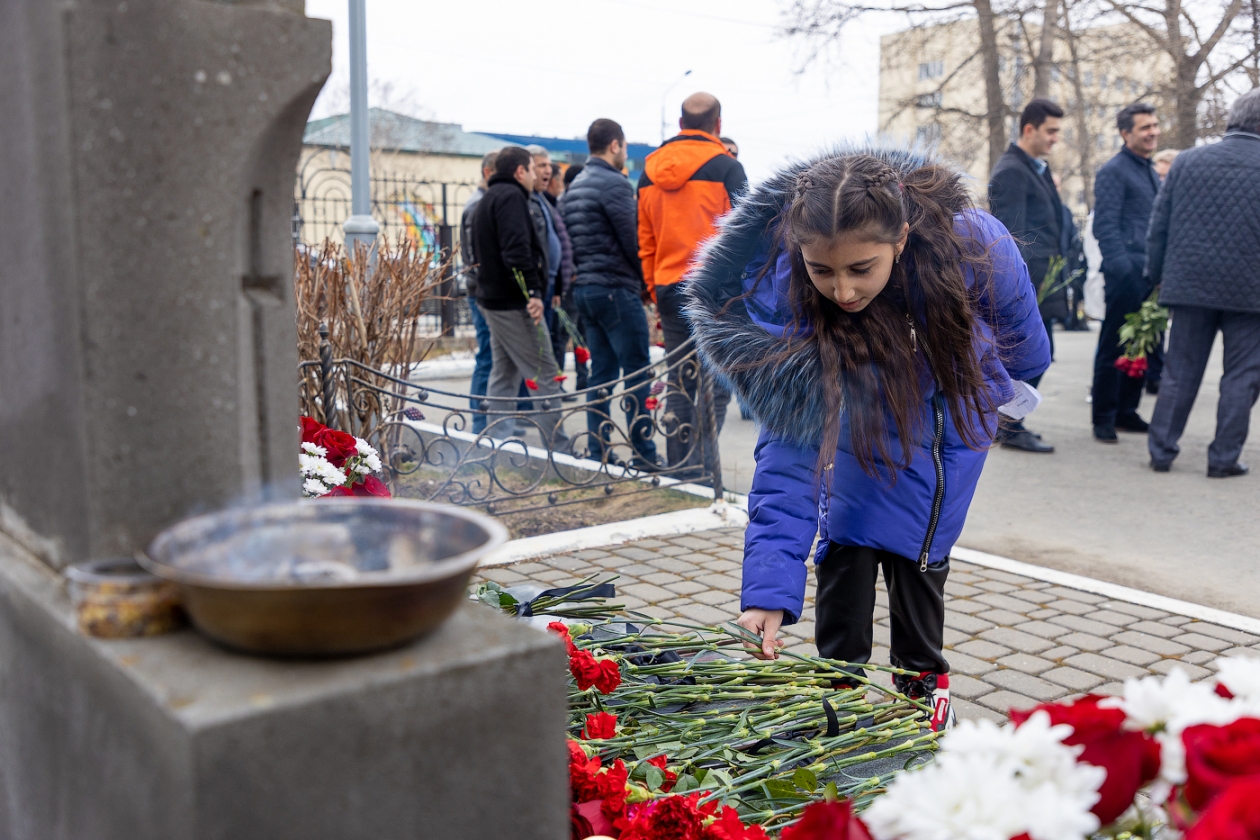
(845, 608)
(1115, 395)
(683, 399)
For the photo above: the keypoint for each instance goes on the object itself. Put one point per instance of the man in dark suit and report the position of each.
(1023, 197)
(1124, 191)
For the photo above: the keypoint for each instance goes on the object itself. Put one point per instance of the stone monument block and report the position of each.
(147, 347)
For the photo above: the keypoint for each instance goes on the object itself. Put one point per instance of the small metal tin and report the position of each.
(115, 598)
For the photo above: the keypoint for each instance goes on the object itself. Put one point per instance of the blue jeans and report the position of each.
(617, 334)
(481, 370)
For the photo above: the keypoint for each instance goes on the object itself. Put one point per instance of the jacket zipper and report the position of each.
(938, 436)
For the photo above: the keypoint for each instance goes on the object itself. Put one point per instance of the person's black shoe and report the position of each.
(1105, 434)
(1235, 469)
(1025, 441)
(644, 465)
(1133, 424)
(1161, 466)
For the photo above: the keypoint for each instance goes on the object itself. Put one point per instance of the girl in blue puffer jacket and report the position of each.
(874, 321)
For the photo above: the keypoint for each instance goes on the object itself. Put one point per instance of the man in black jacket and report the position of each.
(483, 359)
(1022, 196)
(1124, 191)
(1202, 251)
(600, 215)
(511, 261)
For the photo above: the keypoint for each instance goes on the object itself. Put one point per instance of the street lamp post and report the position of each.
(665, 96)
(360, 227)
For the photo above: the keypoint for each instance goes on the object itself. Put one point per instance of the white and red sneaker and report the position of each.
(933, 689)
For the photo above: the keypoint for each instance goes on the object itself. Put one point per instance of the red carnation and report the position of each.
(584, 669)
(370, 486)
(1217, 756)
(531, 384)
(670, 776)
(651, 403)
(581, 354)
(609, 676)
(671, 818)
(612, 790)
(1131, 759)
(1233, 815)
(828, 821)
(600, 725)
(559, 377)
(562, 630)
(583, 770)
(728, 826)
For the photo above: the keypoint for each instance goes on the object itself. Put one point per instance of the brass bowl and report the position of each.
(330, 577)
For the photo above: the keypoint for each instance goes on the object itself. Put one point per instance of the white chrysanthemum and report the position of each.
(312, 449)
(370, 455)
(1241, 675)
(314, 487)
(1035, 749)
(313, 466)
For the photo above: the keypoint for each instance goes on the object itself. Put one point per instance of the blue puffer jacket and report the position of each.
(920, 515)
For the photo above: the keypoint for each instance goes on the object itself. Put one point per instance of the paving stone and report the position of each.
(1064, 605)
(1198, 641)
(635, 553)
(1157, 628)
(1132, 655)
(702, 613)
(1198, 657)
(611, 561)
(962, 605)
(649, 592)
(965, 623)
(1076, 595)
(1112, 669)
(1059, 652)
(880, 614)
(955, 637)
(502, 575)
(650, 543)
(686, 587)
(719, 581)
(676, 602)
(1026, 663)
(1134, 609)
(957, 576)
(1072, 678)
(1227, 634)
(661, 578)
(590, 554)
(1042, 628)
(1119, 619)
(671, 564)
(1025, 684)
(566, 562)
(1164, 647)
(658, 612)
(1007, 577)
(1002, 602)
(551, 575)
(962, 663)
(882, 635)
(693, 542)
(982, 649)
(1024, 642)
(1177, 620)
(1034, 596)
(1002, 617)
(724, 566)
(1194, 672)
(1111, 689)
(712, 597)
(966, 710)
(672, 551)
(1084, 625)
(630, 602)
(1003, 701)
(1042, 614)
(996, 586)
(1085, 641)
(960, 590)
(961, 685)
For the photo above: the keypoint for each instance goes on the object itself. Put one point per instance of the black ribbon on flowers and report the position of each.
(603, 590)
(833, 722)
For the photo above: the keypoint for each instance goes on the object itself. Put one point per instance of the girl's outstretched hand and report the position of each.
(764, 623)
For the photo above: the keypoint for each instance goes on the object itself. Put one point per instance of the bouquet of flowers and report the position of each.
(334, 463)
(1140, 334)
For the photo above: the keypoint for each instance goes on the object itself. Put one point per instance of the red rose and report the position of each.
(562, 630)
(1124, 363)
(310, 428)
(370, 486)
(1216, 756)
(1138, 369)
(728, 826)
(584, 669)
(337, 491)
(531, 384)
(828, 821)
(579, 826)
(609, 676)
(1131, 759)
(1233, 815)
(670, 776)
(651, 403)
(581, 354)
(340, 446)
(600, 725)
(589, 817)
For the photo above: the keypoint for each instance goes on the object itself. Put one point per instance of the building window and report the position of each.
(931, 70)
(927, 134)
(929, 100)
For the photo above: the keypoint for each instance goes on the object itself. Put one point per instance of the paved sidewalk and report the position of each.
(1011, 641)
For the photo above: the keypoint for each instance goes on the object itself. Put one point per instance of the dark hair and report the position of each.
(1244, 114)
(601, 134)
(1126, 117)
(509, 158)
(871, 365)
(487, 161)
(705, 120)
(572, 172)
(1035, 113)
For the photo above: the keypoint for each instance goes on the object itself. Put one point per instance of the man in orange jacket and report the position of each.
(686, 185)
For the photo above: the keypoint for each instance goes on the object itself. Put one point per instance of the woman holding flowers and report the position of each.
(876, 322)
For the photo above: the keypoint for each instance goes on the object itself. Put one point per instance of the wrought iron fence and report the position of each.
(430, 450)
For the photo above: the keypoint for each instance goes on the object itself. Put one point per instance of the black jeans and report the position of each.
(1115, 395)
(845, 608)
(682, 444)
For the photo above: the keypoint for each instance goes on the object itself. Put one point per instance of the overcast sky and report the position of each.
(550, 68)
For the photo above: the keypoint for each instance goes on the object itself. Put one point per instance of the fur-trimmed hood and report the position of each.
(785, 396)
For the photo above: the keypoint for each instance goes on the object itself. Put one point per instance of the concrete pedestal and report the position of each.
(456, 737)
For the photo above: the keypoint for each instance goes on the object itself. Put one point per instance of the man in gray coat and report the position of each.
(1203, 249)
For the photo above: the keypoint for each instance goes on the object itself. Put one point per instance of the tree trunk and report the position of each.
(994, 103)
(1085, 138)
(1188, 96)
(1043, 64)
